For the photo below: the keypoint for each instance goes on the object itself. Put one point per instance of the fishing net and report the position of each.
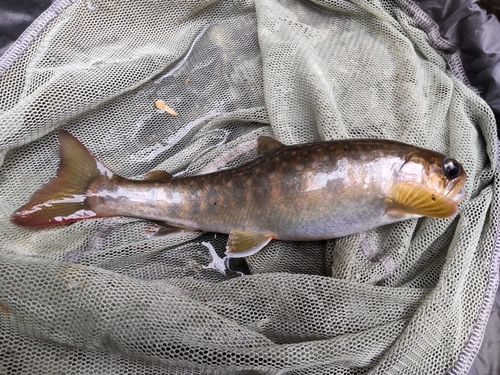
(104, 296)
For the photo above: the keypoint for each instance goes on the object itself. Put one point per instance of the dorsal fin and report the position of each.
(266, 144)
(158, 175)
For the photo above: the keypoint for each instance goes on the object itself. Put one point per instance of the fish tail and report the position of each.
(64, 198)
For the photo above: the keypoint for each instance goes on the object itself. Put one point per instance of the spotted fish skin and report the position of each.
(303, 192)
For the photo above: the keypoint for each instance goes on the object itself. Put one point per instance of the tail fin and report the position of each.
(63, 199)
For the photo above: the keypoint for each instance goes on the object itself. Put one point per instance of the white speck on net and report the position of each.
(91, 6)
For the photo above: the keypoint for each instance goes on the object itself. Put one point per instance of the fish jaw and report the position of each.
(456, 190)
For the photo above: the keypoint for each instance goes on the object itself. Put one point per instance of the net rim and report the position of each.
(19, 46)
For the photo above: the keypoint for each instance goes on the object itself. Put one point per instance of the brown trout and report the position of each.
(305, 192)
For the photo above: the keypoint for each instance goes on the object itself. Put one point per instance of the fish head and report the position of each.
(427, 184)
(447, 177)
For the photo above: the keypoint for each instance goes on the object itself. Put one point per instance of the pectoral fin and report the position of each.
(158, 175)
(266, 144)
(242, 244)
(407, 198)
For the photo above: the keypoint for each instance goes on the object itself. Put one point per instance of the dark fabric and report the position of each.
(468, 26)
(16, 16)
(477, 35)
(491, 6)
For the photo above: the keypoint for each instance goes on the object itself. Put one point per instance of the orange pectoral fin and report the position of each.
(415, 199)
(242, 244)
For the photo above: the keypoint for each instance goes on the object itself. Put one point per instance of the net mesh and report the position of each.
(102, 296)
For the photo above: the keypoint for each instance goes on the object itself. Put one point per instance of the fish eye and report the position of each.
(451, 168)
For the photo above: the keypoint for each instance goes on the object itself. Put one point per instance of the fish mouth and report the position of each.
(459, 196)
(456, 191)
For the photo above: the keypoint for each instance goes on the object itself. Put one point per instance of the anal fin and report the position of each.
(158, 228)
(242, 244)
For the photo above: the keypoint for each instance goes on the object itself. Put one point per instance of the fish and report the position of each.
(306, 192)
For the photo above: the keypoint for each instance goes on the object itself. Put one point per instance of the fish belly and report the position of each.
(318, 216)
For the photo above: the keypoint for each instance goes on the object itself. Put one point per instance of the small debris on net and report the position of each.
(160, 104)
(187, 80)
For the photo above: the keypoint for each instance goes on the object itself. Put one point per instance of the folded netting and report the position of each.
(104, 297)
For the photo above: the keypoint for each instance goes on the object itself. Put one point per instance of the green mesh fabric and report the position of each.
(103, 297)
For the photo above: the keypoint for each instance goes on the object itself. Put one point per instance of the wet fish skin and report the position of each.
(274, 193)
(302, 192)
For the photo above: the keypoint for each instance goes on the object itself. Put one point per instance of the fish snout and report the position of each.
(455, 190)
(460, 195)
